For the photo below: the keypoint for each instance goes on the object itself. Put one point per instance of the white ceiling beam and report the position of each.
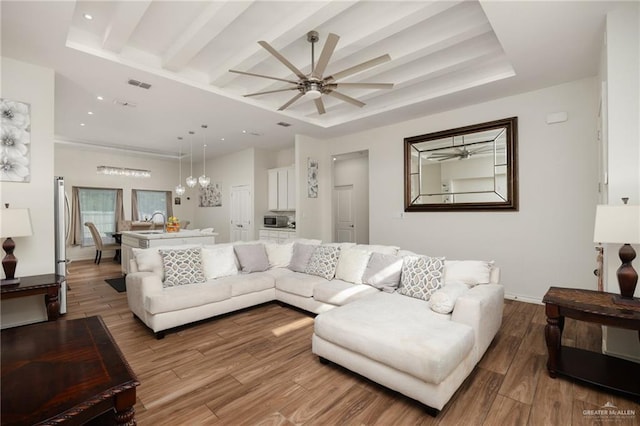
(304, 18)
(125, 19)
(211, 22)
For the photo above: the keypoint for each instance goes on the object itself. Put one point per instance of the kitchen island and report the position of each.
(157, 238)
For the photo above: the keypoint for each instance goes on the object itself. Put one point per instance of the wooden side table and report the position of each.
(65, 372)
(614, 374)
(48, 284)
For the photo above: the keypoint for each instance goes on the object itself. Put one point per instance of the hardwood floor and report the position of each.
(256, 367)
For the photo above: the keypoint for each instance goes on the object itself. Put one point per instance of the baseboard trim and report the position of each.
(525, 299)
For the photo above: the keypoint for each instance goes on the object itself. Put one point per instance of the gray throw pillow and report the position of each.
(252, 257)
(383, 272)
(421, 276)
(323, 261)
(182, 266)
(300, 257)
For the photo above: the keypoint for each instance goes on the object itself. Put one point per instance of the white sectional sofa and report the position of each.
(415, 324)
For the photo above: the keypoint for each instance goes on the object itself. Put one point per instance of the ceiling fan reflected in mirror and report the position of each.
(464, 152)
(315, 85)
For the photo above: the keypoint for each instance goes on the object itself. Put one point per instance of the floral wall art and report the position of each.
(312, 178)
(15, 142)
(211, 195)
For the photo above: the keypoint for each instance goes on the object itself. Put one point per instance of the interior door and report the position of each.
(241, 228)
(344, 214)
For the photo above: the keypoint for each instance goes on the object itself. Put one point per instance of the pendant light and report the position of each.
(191, 181)
(180, 189)
(204, 180)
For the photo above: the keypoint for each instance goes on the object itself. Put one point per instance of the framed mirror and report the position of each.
(468, 168)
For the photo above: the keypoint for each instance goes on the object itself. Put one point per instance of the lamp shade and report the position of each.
(617, 224)
(15, 223)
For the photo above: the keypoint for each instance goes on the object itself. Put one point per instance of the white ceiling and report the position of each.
(444, 54)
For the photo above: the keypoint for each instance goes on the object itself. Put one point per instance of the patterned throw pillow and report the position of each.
(323, 261)
(421, 276)
(182, 266)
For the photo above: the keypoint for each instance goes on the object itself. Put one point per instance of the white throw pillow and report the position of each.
(444, 300)
(279, 254)
(374, 248)
(351, 265)
(219, 261)
(470, 272)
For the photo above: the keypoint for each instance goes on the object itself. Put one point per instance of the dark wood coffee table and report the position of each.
(65, 372)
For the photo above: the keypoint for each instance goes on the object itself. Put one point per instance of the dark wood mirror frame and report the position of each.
(510, 126)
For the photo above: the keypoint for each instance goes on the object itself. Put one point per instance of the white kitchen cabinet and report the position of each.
(282, 189)
(276, 236)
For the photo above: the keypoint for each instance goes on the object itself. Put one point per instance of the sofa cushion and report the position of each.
(444, 299)
(300, 256)
(470, 272)
(187, 296)
(351, 265)
(218, 261)
(323, 261)
(298, 283)
(421, 276)
(249, 283)
(400, 332)
(375, 248)
(252, 257)
(383, 271)
(182, 266)
(279, 255)
(339, 292)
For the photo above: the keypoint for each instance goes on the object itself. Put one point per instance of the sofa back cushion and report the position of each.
(301, 254)
(375, 248)
(352, 264)
(470, 272)
(421, 276)
(279, 255)
(182, 266)
(383, 272)
(218, 261)
(323, 261)
(252, 257)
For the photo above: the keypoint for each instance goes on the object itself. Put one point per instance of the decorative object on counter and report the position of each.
(621, 224)
(13, 223)
(191, 181)
(204, 180)
(123, 171)
(179, 188)
(312, 178)
(211, 196)
(15, 154)
(173, 224)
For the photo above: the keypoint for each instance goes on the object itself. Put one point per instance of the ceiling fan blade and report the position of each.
(361, 67)
(365, 85)
(327, 51)
(346, 98)
(270, 91)
(282, 59)
(319, 105)
(264, 76)
(291, 101)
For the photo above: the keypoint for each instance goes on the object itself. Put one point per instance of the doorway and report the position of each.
(351, 197)
(241, 228)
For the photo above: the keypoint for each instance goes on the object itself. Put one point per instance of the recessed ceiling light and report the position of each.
(100, 98)
(82, 124)
(221, 139)
(90, 112)
(87, 16)
(244, 131)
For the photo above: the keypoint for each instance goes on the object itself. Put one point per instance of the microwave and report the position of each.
(275, 221)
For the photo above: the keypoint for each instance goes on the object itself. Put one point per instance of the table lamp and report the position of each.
(13, 223)
(621, 224)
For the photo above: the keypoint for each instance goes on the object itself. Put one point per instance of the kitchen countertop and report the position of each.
(279, 229)
(159, 234)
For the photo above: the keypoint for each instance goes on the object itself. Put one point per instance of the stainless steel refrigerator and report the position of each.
(62, 214)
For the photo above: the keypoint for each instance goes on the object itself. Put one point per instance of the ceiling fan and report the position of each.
(314, 85)
(462, 153)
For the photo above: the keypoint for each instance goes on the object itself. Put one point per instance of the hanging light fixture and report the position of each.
(191, 181)
(180, 189)
(204, 180)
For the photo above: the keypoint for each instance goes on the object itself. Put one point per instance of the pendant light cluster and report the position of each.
(191, 182)
(180, 190)
(204, 180)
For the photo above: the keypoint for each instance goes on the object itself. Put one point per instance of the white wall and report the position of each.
(34, 85)
(547, 242)
(355, 171)
(77, 164)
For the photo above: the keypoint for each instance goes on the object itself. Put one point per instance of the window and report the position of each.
(144, 203)
(97, 205)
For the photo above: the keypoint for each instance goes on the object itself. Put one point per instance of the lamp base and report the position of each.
(10, 281)
(633, 302)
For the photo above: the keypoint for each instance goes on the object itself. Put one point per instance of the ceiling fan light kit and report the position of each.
(314, 85)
